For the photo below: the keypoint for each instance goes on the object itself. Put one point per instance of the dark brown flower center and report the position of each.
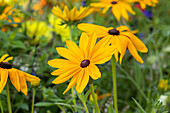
(5, 65)
(113, 32)
(114, 2)
(85, 63)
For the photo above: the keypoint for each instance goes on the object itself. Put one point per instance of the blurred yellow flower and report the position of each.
(163, 85)
(73, 14)
(58, 28)
(119, 7)
(82, 60)
(36, 29)
(18, 78)
(121, 38)
(9, 11)
(144, 3)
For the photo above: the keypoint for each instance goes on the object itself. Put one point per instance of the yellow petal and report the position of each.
(60, 63)
(72, 83)
(100, 44)
(28, 77)
(75, 49)
(83, 43)
(127, 7)
(124, 13)
(4, 77)
(9, 58)
(73, 14)
(65, 76)
(94, 71)
(133, 51)
(83, 81)
(63, 69)
(3, 57)
(23, 84)
(68, 54)
(116, 12)
(57, 12)
(106, 8)
(89, 28)
(139, 45)
(14, 77)
(123, 28)
(91, 43)
(124, 44)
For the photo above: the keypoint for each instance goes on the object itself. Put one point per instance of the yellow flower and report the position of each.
(144, 3)
(121, 38)
(73, 14)
(34, 30)
(18, 78)
(163, 85)
(119, 7)
(81, 61)
(58, 28)
(9, 11)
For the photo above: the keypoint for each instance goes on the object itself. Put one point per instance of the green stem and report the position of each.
(70, 33)
(154, 110)
(84, 103)
(114, 84)
(74, 98)
(33, 100)
(8, 98)
(93, 95)
(2, 111)
(62, 109)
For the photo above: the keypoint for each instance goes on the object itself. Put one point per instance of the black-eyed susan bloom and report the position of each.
(121, 37)
(73, 14)
(119, 7)
(80, 61)
(18, 78)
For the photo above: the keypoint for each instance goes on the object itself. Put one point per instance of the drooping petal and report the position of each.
(67, 54)
(72, 83)
(116, 12)
(4, 77)
(65, 76)
(23, 84)
(123, 28)
(94, 71)
(60, 63)
(57, 12)
(29, 78)
(134, 52)
(14, 77)
(127, 7)
(139, 45)
(106, 8)
(124, 13)
(89, 28)
(82, 83)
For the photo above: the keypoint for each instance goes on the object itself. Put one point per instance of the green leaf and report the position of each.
(18, 44)
(12, 36)
(22, 106)
(86, 95)
(44, 104)
(139, 106)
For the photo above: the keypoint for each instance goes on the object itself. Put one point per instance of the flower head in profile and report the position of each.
(144, 3)
(119, 7)
(80, 62)
(121, 37)
(18, 78)
(72, 15)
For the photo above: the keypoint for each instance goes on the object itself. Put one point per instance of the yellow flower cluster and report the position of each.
(163, 85)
